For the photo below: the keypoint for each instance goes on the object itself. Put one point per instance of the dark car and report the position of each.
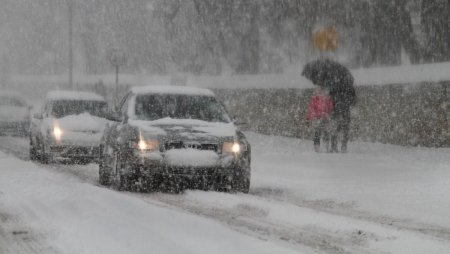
(174, 134)
(68, 128)
(14, 114)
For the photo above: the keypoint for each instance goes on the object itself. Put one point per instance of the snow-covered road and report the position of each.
(375, 199)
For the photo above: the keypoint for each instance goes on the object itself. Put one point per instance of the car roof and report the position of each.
(169, 89)
(73, 95)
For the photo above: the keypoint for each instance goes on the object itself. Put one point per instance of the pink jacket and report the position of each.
(320, 106)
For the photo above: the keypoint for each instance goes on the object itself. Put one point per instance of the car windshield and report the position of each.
(75, 107)
(11, 101)
(206, 108)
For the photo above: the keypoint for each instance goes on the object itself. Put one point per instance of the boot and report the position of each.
(334, 148)
(344, 148)
(317, 148)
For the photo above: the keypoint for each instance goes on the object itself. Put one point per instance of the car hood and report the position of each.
(185, 129)
(82, 123)
(13, 114)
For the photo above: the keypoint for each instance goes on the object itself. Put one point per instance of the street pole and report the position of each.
(70, 9)
(116, 58)
(117, 87)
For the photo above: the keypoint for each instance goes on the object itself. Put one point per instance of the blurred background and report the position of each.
(216, 36)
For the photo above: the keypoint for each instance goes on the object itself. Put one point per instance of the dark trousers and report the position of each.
(340, 125)
(321, 130)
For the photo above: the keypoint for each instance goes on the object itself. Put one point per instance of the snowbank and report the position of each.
(81, 218)
(365, 76)
(73, 95)
(158, 89)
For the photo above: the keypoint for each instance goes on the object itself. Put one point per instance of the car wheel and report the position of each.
(33, 151)
(104, 174)
(240, 183)
(44, 158)
(41, 156)
(104, 168)
(119, 180)
(152, 183)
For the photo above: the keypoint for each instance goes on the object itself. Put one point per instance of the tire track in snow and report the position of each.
(251, 221)
(348, 210)
(315, 239)
(255, 227)
(17, 238)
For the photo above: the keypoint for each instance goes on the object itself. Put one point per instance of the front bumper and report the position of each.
(90, 153)
(155, 164)
(76, 146)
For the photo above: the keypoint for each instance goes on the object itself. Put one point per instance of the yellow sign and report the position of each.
(325, 39)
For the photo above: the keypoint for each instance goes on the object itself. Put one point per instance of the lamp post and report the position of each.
(117, 58)
(70, 17)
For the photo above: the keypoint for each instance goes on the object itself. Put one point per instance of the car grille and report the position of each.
(192, 145)
(174, 171)
(76, 151)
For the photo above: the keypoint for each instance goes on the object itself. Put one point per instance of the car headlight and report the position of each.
(144, 145)
(148, 145)
(57, 133)
(232, 147)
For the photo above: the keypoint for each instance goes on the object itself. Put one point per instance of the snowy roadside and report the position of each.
(406, 183)
(375, 199)
(76, 217)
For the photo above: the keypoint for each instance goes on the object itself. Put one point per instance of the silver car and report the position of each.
(68, 128)
(14, 114)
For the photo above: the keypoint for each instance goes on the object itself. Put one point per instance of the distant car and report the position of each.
(69, 128)
(174, 134)
(14, 114)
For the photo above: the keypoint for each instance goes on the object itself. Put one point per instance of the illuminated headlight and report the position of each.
(146, 145)
(232, 147)
(57, 133)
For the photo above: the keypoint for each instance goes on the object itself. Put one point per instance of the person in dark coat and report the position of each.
(344, 97)
(338, 79)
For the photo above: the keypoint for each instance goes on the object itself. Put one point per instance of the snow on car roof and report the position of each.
(171, 90)
(73, 95)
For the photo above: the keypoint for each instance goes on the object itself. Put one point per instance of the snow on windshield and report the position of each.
(63, 108)
(153, 107)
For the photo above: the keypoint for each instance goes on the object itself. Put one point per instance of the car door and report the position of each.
(110, 142)
(37, 120)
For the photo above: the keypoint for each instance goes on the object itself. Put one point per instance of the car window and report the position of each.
(63, 108)
(124, 105)
(206, 108)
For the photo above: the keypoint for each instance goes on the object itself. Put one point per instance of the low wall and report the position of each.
(403, 114)
(415, 115)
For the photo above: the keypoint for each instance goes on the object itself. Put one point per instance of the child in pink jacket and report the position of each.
(319, 111)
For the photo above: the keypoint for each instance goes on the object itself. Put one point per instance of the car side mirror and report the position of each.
(114, 116)
(38, 116)
(238, 122)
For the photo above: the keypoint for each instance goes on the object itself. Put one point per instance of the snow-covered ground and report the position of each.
(375, 199)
